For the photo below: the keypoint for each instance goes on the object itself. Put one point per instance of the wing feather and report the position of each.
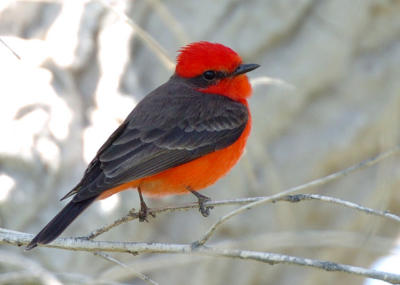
(171, 126)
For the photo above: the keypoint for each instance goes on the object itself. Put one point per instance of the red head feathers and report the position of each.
(198, 57)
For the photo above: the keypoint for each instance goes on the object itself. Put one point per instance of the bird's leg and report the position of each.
(204, 210)
(144, 210)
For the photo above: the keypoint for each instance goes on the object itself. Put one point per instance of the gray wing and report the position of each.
(169, 127)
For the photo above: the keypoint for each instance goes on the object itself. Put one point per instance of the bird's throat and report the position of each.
(237, 88)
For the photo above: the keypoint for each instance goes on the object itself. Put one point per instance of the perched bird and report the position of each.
(181, 138)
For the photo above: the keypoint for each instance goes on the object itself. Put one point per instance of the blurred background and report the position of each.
(335, 102)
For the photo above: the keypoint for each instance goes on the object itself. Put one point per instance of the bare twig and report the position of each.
(250, 202)
(309, 239)
(265, 80)
(147, 39)
(198, 248)
(133, 215)
(116, 261)
(320, 181)
(10, 49)
(18, 277)
(302, 197)
(171, 22)
(31, 269)
(19, 239)
(76, 278)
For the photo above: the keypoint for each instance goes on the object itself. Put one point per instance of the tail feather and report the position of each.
(60, 222)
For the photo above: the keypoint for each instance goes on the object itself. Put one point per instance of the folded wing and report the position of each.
(166, 129)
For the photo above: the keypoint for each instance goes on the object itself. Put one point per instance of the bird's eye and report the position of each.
(209, 74)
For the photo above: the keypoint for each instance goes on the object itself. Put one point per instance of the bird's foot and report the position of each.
(145, 212)
(204, 210)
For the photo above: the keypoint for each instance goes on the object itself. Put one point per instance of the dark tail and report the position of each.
(60, 222)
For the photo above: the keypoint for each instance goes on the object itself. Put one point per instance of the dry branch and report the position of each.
(79, 244)
(116, 261)
(146, 37)
(317, 182)
(198, 248)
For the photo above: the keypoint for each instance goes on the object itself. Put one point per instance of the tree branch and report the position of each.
(79, 244)
(302, 197)
(198, 248)
(133, 214)
(10, 49)
(255, 201)
(29, 270)
(265, 80)
(317, 182)
(142, 34)
(116, 261)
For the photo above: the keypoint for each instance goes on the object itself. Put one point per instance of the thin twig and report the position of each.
(265, 80)
(170, 21)
(10, 49)
(116, 261)
(19, 239)
(147, 39)
(18, 277)
(28, 265)
(133, 215)
(348, 204)
(76, 278)
(270, 241)
(320, 181)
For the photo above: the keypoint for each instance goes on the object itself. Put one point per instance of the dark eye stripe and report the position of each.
(212, 75)
(202, 82)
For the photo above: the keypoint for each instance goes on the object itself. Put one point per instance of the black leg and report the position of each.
(144, 210)
(204, 210)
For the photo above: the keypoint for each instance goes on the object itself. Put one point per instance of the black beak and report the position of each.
(243, 68)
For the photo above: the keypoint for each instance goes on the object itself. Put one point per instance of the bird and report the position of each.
(180, 138)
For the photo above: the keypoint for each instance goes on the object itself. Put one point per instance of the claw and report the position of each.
(204, 210)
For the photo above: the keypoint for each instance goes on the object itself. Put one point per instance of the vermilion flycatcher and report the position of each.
(182, 137)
